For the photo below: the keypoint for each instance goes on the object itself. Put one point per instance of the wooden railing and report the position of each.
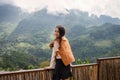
(109, 68)
(35, 74)
(104, 69)
(80, 72)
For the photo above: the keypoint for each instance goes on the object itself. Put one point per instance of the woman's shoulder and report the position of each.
(64, 41)
(64, 38)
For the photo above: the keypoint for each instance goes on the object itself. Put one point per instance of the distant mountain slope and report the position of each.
(9, 13)
(97, 41)
(10, 16)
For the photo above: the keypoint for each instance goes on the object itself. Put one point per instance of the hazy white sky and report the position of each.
(98, 7)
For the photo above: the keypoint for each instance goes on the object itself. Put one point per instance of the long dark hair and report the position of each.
(61, 33)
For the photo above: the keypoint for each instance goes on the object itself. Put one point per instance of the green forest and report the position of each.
(25, 37)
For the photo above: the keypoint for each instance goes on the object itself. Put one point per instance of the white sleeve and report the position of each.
(56, 46)
(52, 62)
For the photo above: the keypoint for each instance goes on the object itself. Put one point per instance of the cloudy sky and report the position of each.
(98, 7)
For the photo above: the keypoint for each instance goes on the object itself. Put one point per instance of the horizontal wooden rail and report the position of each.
(108, 58)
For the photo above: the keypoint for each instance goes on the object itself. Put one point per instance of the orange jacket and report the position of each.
(65, 52)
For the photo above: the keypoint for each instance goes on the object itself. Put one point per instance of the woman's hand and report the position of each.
(51, 45)
(48, 67)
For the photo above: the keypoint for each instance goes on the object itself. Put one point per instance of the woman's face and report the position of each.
(56, 33)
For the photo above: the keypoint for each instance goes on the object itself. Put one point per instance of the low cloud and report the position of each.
(98, 7)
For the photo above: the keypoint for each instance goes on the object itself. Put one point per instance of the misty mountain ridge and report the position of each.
(9, 12)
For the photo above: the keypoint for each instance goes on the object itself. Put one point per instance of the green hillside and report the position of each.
(97, 41)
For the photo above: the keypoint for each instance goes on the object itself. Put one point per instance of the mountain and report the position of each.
(24, 35)
(97, 41)
(9, 13)
(10, 16)
(40, 25)
(108, 19)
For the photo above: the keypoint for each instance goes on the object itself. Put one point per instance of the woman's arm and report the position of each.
(53, 57)
(51, 45)
(52, 62)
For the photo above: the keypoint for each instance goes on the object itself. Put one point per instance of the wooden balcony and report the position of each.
(104, 69)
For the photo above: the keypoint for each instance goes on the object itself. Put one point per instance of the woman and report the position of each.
(62, 55)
